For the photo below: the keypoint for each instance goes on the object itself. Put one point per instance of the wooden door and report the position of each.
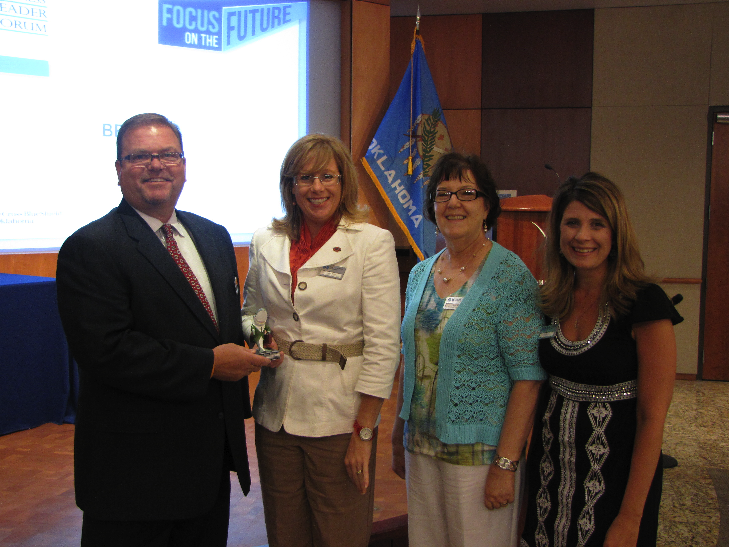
(715, 365)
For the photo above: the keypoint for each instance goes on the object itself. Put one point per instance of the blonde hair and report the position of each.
(315, 152)
(625, 267)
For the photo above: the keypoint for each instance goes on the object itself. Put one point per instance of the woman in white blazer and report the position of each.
(329, 283)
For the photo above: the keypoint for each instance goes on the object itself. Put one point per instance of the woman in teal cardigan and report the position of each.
(471, 373)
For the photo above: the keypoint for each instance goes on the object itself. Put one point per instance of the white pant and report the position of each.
(446, 506)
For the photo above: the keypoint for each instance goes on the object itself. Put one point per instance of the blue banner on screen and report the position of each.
(223, 25)
(232, 75)
(412, 136)
(17, 65)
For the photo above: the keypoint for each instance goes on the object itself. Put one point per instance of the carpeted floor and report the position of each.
(37, 505)
(720, 478)
(695, 503)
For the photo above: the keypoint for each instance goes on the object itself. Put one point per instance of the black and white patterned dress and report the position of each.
(584, 432)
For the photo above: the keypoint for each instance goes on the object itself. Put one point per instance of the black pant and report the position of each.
(208, 530)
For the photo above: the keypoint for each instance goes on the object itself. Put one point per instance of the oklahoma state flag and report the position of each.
(412, 136)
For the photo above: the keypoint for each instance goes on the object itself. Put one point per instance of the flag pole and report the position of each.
(416, 36)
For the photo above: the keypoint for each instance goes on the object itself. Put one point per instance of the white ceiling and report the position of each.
(447, 7)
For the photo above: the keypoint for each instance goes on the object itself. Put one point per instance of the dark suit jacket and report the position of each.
(152, 425)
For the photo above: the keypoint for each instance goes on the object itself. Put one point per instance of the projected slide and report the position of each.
(231, 74)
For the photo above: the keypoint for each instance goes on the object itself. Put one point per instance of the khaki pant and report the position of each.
(308, 498)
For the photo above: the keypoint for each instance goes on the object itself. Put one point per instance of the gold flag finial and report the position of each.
(416, 34)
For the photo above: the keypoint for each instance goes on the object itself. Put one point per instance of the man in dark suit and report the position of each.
(163, 370)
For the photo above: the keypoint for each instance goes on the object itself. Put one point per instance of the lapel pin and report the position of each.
(337, 249)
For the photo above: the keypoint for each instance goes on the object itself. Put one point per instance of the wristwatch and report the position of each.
(505, 463)
(365, 433)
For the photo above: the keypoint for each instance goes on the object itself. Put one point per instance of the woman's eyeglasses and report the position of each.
(464, 194)
(326, 179)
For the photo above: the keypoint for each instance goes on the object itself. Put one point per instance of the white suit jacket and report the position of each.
(315, 398)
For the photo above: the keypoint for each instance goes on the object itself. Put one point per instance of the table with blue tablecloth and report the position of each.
(38, 377)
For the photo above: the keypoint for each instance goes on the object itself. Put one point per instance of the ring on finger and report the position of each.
(359, 471)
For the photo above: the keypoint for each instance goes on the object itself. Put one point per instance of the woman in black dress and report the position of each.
(594, 470)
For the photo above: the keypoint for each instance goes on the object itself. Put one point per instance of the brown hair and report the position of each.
(625, 267)
(141, 120)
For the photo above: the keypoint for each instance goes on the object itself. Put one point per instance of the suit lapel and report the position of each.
(335, 250)
(276, 252)
(149, 246)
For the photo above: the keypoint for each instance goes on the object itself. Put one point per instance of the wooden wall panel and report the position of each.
(529, 61)
(464, 127)
(40, 264)
(241, 257)
(453, 51)
(719, 84)
(516, 143)
(401, 37)
(538, 59)
(370, 75)
(44, 264)
(345, 87)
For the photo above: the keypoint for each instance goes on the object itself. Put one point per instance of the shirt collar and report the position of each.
(156, 224)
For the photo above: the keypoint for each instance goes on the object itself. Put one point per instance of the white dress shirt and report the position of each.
(188, 251)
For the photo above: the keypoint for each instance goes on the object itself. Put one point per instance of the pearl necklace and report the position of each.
(462, 268)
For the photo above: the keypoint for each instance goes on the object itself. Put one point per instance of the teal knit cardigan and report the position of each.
(488, 343)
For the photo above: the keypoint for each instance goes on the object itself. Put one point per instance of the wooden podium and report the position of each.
(520, 228)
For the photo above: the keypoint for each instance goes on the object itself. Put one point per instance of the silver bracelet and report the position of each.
(505, 463)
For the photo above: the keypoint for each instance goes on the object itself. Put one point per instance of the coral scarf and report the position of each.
(303, 249)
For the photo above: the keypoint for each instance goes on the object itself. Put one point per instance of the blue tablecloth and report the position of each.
(38, 377)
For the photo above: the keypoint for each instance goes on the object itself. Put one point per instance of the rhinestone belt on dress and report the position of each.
(592, 393)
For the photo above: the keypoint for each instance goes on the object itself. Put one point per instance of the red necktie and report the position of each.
(185, 267)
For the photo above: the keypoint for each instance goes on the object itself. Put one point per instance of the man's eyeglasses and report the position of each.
(165, 158)
(464, 194)
(327, 179)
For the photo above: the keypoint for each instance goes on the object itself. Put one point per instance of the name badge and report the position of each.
(548, 331)
(334, 272)
(452, 302)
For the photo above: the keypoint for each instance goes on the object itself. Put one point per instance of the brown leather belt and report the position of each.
(335, 353)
